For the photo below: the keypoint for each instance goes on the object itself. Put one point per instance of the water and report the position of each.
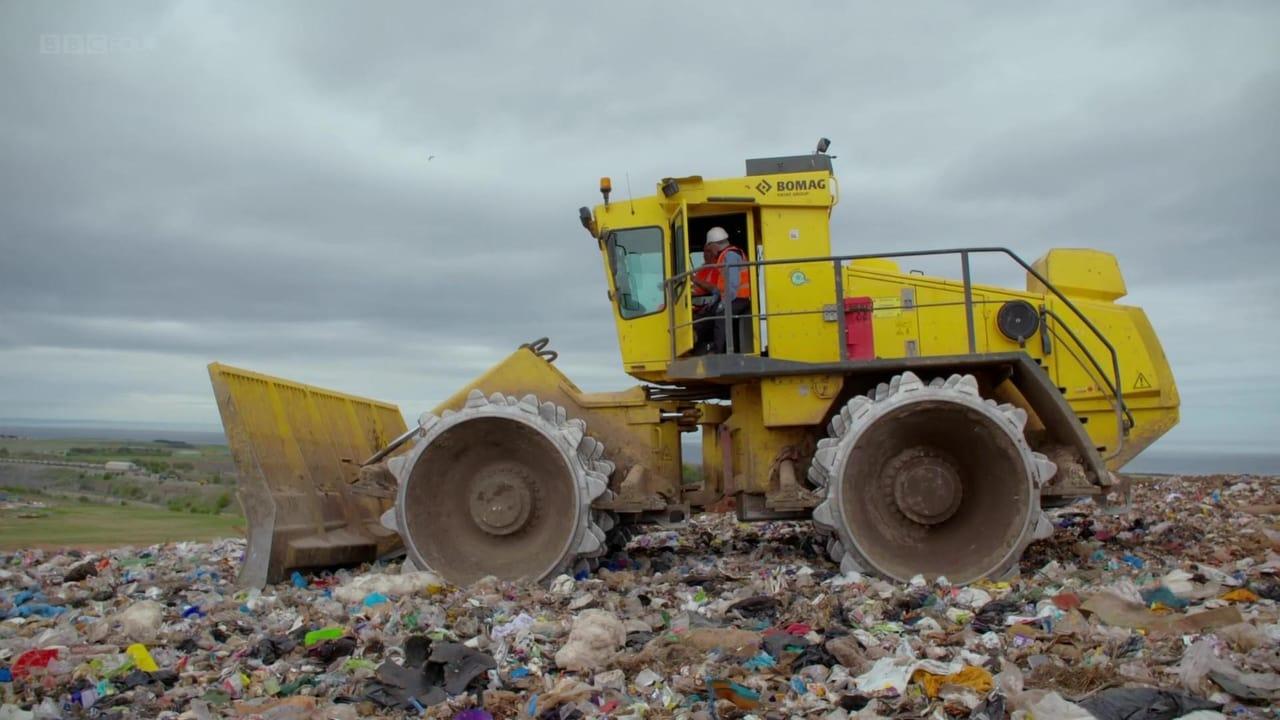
(1192, 462)
(114, 431)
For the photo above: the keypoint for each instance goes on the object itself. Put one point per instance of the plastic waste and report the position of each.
(332, 632)
(1241, 595)
(1143, 704)
(430, 673)
(141, 657)
(1250, 686)
(327, 651)
(1054, 707)
(895, 673)
(140, 622)
(1162, 597)
(31, 660)
(740, 695)
(763, 661)
(596, 637)
(406, 583)
(974, 678)
(756, 607)
(521, 623)
(82, 571)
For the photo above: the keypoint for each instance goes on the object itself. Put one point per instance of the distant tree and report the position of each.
(4, 452)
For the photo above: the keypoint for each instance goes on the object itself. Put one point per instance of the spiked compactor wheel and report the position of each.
(501, 487)
(929, 479)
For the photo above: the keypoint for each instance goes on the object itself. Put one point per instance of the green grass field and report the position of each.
(84, 525)
(203, 460)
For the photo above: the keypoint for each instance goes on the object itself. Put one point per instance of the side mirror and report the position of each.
(584, 216)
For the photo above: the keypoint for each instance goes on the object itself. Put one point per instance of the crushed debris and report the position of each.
(1171, 607)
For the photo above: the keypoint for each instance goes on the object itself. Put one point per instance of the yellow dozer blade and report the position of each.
(297, 450)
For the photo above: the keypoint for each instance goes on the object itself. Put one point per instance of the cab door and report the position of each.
(682, 304)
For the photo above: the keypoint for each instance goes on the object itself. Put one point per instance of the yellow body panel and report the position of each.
(800, 287)
(795, 400)
(1080, 273)
(753, 447)
(297, 448)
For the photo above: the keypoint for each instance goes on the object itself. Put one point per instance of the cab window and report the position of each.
(635, 257)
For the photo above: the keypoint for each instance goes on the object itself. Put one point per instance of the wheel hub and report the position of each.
(501, 500)
(926, 486)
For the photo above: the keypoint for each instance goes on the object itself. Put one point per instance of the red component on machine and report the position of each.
(859, 340)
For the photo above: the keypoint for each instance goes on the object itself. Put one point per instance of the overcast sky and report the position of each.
(254, 183)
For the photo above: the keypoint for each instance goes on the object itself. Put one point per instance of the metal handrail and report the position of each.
(1124, 417)
(1123, 422)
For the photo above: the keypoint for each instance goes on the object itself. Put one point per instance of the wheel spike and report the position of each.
(836, 427)
(1045, 468)
(817, 476)
(397, 466)
(596, 484)
(909, 382)
(823, 516)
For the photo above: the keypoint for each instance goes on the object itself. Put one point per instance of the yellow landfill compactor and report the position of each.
(920, 422)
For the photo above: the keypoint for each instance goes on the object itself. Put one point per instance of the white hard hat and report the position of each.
(717, 234)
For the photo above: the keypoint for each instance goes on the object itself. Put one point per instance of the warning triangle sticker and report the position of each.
(1142, 383)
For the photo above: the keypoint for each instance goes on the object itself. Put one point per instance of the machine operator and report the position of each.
(729, 280)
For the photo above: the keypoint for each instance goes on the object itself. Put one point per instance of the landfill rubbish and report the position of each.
(716, 619)
(977, 679)
(596, 637)
(142, 659)
(387, 585)
(1144, 704)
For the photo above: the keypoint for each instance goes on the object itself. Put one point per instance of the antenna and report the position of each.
(630, 198)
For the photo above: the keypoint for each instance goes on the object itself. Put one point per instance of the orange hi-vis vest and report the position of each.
(744, 273)
(708, 275)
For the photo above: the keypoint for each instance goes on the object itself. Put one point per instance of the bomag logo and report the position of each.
(792, 187)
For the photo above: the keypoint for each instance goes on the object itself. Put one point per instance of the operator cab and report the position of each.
(652, 247)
